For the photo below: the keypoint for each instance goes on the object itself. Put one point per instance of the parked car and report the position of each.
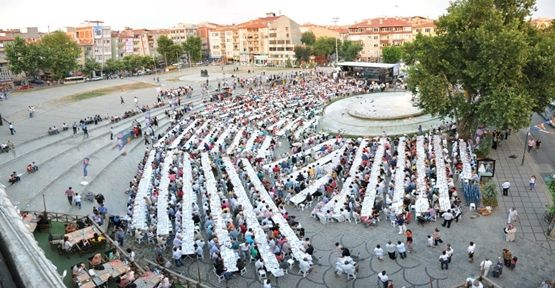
(36, 81)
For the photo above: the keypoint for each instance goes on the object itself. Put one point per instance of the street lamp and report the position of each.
(334, 20)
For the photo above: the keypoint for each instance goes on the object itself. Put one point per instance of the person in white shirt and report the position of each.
(485, 266)
(267, 284)
(532, 182)
(506, 185)
(449, 251)
(378, 251)
(382, 277)
(444, 260)
(390, 248)
(401, 249)
(512, 215)
(471, 248)
(447, 218)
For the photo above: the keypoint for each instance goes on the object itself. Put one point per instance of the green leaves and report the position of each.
(485, 66)
(25, 58)
(60, 55)
(392, 54)
(324, 46)
(169, 51)
(349, 50)
(193, 47)
(308, 38)
(302, 53)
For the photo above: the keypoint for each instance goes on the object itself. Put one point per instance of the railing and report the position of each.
(177, 277)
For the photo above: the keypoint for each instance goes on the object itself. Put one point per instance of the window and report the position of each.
(375, 37)
(427, 30)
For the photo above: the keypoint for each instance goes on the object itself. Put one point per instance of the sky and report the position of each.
(118, 14)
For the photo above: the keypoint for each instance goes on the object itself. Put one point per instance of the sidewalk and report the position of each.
(529, 204)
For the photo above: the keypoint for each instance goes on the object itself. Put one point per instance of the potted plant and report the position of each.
(489, 193)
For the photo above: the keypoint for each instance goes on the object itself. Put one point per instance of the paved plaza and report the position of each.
(59, 159)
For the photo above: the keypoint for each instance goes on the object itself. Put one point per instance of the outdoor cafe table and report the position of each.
(148, 280)
(112, 269)
(82, 234)
(84, 280)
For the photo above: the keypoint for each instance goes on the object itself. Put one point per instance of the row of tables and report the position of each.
(370, 193)
(399, 177)
(269, 258)
(441, 174)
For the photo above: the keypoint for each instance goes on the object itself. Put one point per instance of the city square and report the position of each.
(238, 174)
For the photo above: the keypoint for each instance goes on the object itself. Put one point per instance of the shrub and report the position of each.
(482, 151)
(489, 193)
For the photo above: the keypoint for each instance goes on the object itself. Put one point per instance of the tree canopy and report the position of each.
(308, 38)
(302, 53)
(193, 47)
(349, 50)
(392, 54)
(60, 54)
(169, 51)
(324, 46)
(487, 65)
(90, 66)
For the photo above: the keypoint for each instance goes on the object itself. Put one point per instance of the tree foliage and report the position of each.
(24, 58)
(193, 47)
(349, 50)
(169, 51)
(324, 46)
(487, 65)
(308, 38)
(60, 54)
(302, 53)
(392, 54)
(90, 66)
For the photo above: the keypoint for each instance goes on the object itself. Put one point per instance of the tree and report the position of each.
(60, 54)
(349, 50)
(90, 67)
(392, 54)
(324, 46)
(193, 46)
(24, 58)
(169, 50)
(302, 53)
(113, 66)
(479, 69)
(308, 38)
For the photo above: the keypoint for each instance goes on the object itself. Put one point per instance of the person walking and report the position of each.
(111, 133)
(531, 143)
(85, 131)
(121, 100)
(437, 237)
(77, 200)
(69, 194)
(74, 127)
(12, 128)
(505, 186)
(532, 182)
(512, 215)
(485, 266)
(510, 233)
(447, 218)
(383, 279)
(120, 236)
(444, 260)
(401, 249)
(378, 252)
(449, 251)
(507, 257)
(470, 250)
(390, 248)
(408, 234)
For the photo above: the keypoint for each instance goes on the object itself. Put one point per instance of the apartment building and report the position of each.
(5, 74)
(262, 41)
(143, 42)
(321, 31)
(94, 39)
(181, 32)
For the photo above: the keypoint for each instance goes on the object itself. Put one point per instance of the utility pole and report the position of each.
(334, 20)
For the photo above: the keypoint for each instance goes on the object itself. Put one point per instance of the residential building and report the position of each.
(143, 42)
(267, 40)
(181, 32)
(5, 73)
(203, 32)
(542, 23)
(376, 33)
(321, 31)
(95, 41)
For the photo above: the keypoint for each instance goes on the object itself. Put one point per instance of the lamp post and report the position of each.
(334, 20)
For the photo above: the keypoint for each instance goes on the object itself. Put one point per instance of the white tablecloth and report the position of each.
(370, 193)
(143, 190)
(421, 204)
(441, 174)
(399, 176)
(189, 197)
(236, 139)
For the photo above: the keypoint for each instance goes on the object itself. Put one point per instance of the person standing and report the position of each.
(120, 236)
(85, 131)
(74, 128)
(136, 100)
(401, 249)
(471, 248)
(507, 257)
(390, 248)
(532, 183)
(383, 278)
(111, 133)
(408, 234)
(449, 251)
(437, 237)
(506, 185)
(85, 166)
(77, 200)
(12, 128)
(378, 252)
(176, 255)
(531, 143)
(444, 260)
(510, 233)
(447, 218)
(512, 215)
(121, 100)
(485, 266)
(69, 194)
